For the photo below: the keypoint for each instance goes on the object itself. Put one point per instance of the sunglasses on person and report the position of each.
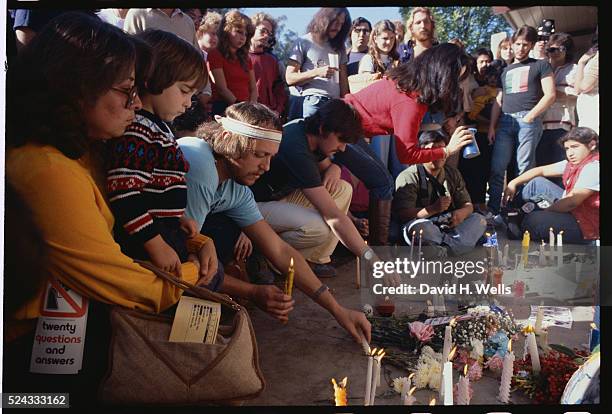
(131, 94)
(555, 49)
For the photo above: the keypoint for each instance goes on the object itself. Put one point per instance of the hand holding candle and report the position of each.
(369, 377)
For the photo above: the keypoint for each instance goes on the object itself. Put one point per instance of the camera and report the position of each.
(546, 29)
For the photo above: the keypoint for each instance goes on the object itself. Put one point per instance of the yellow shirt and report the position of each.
(77, 223)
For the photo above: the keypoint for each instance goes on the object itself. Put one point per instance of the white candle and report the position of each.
(500, 257)
(446, 358)
(560, 239)
(532, 346)
(447, 383)
(551, 238)
(506, 253)
(420, 238)
(539, 319)
(560, 249)
(406, 383)
(506, 377)
(358, 272)
(369, 377)
(377, 364)
(448, 340)
(463, 388)
(542, 258)
(430, 308)
(412, 244)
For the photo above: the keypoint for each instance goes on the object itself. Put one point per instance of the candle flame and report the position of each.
(561, 232)
(528, 329)
(488, 234)
(510, 345)
(452, 353)
(373, 351)
(412, 390)
(366, 242)
(432, 402)
(413, 232)
(593, 326)
(344, 381)
(420, 232)
(410, 376)
(465, 370)
(453, 321)
(551, 229)
(543, 242)
(291, 262)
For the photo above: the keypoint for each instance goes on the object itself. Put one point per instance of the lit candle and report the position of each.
(369, 377)
(420, 238)
(340, 392)
(447, 379)
(432, 402)
(412, 244)
(541, 257)
(560, 249)
(594, 339)
(525, 248)
(551, 238)
(377, 364)
(410, 399)
(506, 377)
(539, 319)
(289, 280)
(532, 347)
(446, 349)
(463, 388)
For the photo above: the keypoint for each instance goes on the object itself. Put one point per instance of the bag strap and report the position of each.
(198, 291)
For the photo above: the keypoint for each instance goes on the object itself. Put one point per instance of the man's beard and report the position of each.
(422, 36)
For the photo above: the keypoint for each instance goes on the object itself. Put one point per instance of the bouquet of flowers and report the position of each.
(557, 367)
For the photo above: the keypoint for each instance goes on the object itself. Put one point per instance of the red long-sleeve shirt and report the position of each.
(385, 110)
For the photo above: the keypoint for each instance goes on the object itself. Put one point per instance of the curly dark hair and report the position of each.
(74, 60)
(434, 76)
(320, 23)
(336, 116)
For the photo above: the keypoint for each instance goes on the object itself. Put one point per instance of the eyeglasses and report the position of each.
(555, 49)
(364, 31)
(131, 94)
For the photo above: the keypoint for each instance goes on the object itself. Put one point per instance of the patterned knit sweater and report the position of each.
(146, 183)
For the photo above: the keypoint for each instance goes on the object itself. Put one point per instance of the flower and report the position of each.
(495, 363)
(398, 384)
(474, 371)
(477, 349)
(421, 331)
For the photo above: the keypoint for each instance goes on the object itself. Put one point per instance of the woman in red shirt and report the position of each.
(231, 70)
(396, 104)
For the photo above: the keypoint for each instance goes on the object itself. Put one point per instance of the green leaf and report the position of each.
(564, 350)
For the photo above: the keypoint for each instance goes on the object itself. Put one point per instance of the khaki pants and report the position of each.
(299, 223)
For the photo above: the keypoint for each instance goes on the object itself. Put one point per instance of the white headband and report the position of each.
(248, 130)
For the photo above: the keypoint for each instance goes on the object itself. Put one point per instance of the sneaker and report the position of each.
(498, 220)
(323, 271)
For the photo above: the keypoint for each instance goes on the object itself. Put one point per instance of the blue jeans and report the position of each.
(296, 103)
(460, 240)
(312, 103)
(538, 223)
(549, 151)
(512, 132)
(384, 147)
(365, 165)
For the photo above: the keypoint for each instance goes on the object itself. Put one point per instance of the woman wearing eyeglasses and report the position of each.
(561, 116)
(72, 88)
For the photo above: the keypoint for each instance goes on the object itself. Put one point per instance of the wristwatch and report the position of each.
(368, 254)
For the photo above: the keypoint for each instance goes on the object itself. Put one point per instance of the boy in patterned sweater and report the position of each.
(146, 169)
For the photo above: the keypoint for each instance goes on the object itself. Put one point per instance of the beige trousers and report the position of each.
(299, 223)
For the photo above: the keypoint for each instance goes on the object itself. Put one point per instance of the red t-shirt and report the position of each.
(270, 86)
(236, 78)
(384, 110)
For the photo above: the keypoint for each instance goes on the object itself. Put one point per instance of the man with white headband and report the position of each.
(225, 158)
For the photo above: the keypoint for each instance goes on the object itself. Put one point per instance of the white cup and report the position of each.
(334, 62)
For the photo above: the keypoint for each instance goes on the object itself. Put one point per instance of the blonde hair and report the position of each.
(504, 41)
(236, 146)
(410, 21)
(257, 18)
(210, 22)
(381, 26)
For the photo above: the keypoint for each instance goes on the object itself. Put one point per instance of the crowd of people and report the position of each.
(178, 137)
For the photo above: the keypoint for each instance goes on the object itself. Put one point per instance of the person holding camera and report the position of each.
(432, 197)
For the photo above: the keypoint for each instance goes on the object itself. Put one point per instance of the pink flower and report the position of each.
(495, 363)
(421, 331)
(475, 371)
